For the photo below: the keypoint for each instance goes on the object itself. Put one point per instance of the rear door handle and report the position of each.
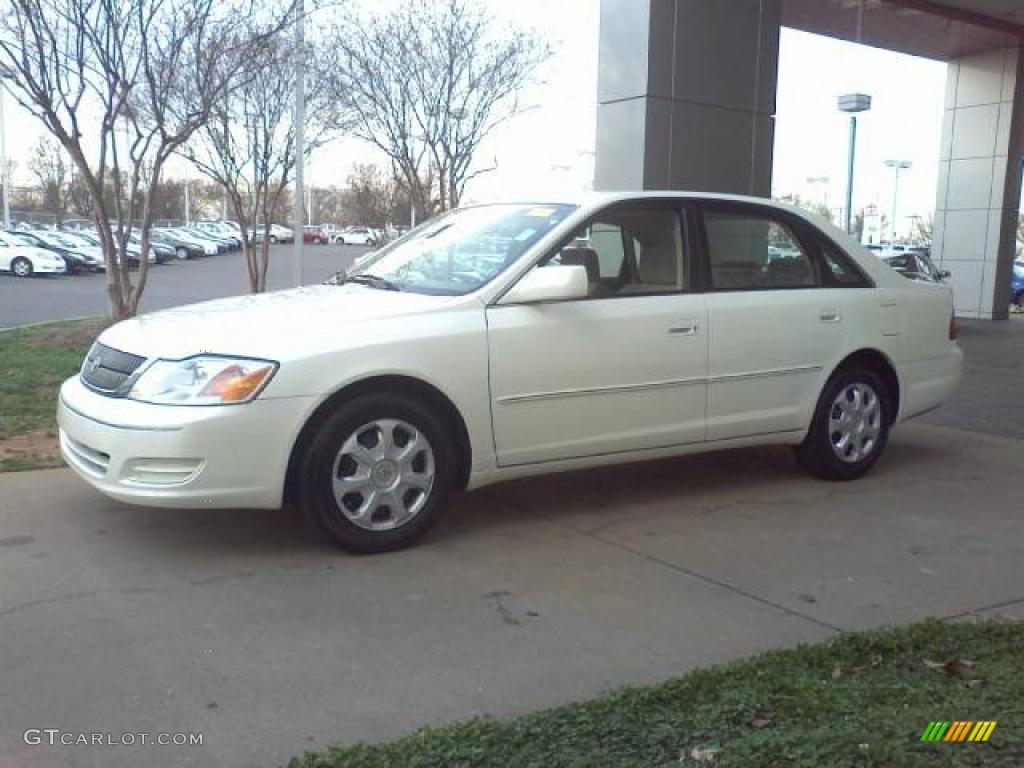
(683, 328)
(829, 315)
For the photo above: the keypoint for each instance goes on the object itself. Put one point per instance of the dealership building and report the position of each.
(686, 100)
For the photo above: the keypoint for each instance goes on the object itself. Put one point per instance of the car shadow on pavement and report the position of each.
(690, 486)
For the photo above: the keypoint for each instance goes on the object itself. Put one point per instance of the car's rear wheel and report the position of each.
(21, 267)
(850, 426)
(181, 253)
(377, 474)
(340, 241)
(1019, 300)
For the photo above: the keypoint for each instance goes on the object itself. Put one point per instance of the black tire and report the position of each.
(21, 267)
(340, 241)
(323, 512)
(1019, 300)
(819, 454)
(273, 239)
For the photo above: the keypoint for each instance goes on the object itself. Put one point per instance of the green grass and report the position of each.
(34, 360)
(857, 700)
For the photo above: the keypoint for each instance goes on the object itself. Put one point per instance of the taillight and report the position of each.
(953, 329)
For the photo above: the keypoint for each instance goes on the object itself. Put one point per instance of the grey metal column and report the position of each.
(979, 190)
(686, 95)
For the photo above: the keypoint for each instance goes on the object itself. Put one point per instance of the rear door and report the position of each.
(777, 310)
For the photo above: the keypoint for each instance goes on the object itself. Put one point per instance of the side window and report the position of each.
(607, 240)
(751, 251)
(840, 271)
(628, 252)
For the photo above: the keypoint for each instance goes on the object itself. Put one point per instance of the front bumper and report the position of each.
(180, 456)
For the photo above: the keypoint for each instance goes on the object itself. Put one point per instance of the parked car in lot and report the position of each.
(220, 231)
(1017, 284)
(614, 328)
(205, 246)
(184, 248)
(916, 265)
(25, 260)
(315, 233)
(357, 236)
(78, 256)
(159, 253)
(222, 243)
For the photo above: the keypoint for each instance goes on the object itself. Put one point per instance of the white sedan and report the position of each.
(505, 340)
(357, 236)
(26, 260)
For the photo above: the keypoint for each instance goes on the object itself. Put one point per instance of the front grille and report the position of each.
(106, 369)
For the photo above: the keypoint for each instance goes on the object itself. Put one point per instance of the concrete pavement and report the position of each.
(233, 624)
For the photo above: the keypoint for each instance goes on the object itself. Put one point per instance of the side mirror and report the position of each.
(338, 278)
(553, 283)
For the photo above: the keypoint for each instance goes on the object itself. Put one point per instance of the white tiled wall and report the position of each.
(979, 177)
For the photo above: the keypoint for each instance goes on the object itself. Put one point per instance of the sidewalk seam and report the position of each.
(665, 563)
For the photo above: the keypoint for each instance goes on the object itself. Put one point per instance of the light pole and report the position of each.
(897, 166)
(5, 171)
(852, 103)
(300, 135)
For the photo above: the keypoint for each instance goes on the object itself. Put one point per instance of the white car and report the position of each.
(357, 236)
(27, 260)
(505, 340)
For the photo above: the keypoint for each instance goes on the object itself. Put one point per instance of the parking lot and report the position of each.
(233, 623)
(38, 299)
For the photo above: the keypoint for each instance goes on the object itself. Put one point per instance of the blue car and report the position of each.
(1017, 284)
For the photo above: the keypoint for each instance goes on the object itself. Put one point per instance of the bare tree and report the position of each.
(122, 85)
(248, 147)
(371, 196)
(49, 164)
(427, 82)
(813, 206)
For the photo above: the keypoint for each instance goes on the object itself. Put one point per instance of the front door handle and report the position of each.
(829, 315)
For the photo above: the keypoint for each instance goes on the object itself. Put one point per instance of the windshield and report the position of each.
(460, 251)
(70, 242)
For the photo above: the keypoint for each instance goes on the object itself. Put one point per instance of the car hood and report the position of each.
(281, 325)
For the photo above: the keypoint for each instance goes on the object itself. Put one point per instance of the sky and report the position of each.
(549, 148)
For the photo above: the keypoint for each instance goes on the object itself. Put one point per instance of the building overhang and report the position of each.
(935, 29)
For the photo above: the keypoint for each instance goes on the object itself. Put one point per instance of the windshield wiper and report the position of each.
(374, 281)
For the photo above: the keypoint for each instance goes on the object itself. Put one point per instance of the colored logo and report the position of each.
(959, 730)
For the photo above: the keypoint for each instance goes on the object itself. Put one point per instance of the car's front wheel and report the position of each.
(181, 253)
(377, 474)
(850, 426)
(21, 267)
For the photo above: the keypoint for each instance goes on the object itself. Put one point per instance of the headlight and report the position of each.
(203, 380)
